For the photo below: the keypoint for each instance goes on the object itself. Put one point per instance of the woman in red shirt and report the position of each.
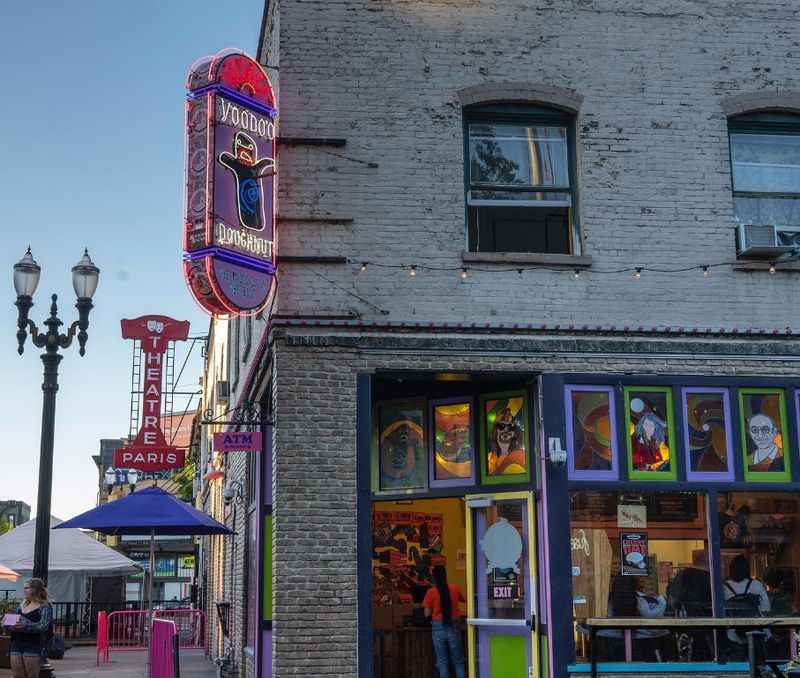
(441, 605)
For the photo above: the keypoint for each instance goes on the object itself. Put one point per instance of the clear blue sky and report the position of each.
(91, 126)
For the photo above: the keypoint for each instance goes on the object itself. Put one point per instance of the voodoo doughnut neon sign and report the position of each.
(229, 230)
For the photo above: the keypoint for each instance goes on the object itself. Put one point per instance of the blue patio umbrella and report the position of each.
(152, 512)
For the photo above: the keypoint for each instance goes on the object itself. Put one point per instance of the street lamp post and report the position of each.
(85, 276)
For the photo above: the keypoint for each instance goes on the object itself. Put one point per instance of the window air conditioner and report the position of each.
(223, 391)
(765, 241)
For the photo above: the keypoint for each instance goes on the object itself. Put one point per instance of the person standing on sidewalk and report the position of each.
(30, 633)
(441, 605)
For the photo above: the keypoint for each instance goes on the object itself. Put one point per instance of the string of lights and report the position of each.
(636, 271)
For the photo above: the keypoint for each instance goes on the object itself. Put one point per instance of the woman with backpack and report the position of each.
(441, 605)
(744, 597)
(29, 634)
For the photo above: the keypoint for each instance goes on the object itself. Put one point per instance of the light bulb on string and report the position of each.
(577, 273)
(363, 266)
(637, 273)
(412, 271)
(463, 273)
(706, 272)
(772, 268)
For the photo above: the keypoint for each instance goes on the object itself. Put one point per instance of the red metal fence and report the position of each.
(129, 630)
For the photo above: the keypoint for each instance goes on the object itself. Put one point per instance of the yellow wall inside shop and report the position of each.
(675, 551)
(453, 531)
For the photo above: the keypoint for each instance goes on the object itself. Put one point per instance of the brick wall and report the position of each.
(314, 577)
(654, 171)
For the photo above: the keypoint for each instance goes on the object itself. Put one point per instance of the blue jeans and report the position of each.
(447, 644)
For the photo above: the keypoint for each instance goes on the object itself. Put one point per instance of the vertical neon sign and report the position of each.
(229, 228)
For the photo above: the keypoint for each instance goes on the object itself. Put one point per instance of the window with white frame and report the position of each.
(765, 163)
(520, 180)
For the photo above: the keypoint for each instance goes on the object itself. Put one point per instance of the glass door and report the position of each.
(501, 575)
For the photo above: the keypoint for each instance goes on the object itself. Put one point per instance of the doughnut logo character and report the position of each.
(248, 171)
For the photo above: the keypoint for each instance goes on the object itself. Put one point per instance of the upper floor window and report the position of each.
(520, 180)
(765, 160)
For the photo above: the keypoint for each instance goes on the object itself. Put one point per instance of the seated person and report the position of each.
(689, 595)
(744, 597)
(628, 599)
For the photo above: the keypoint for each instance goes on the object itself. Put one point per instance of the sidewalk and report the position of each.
(80, 661)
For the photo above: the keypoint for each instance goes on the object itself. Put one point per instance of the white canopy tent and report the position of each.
(74, 558)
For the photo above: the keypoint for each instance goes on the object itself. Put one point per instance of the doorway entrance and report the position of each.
(487, 545)
(502, 613)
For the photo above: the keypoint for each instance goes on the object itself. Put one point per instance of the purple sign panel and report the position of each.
(247, 441)
(229, 228)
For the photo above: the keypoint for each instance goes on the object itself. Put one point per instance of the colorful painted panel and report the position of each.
(401, 446)
(405, 547)
(452, 458)
(707, 434)
(650, 433)
(504, 436)
(764, 434)
(591, 432)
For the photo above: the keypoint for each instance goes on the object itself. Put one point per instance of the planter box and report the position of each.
(5, 645)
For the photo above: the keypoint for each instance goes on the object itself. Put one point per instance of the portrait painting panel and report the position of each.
(650, 431)
(708, 437)
(453, 441)
(593, 440)
(505, 435)
(764, 432)
(401, 446)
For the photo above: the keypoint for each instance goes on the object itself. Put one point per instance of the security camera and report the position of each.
(231, 492)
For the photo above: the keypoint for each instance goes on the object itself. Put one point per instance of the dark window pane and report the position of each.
(766, 163)
(773, 211)
(520, 229)
(481, 194)
(518, 155)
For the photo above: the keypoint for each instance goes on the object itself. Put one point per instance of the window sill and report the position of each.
(565, 260)
(761, 265)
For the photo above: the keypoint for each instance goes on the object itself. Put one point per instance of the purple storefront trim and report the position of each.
(451, 482)
(584, 474)
(715, 476)
(543, 535)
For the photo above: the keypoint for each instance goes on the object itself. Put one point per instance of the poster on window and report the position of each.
(504, 437)
(401, 446)
(405, 547)
(707, 433)
(650, 433)
(633, 554)
(764, 434)
(452, 457)
(591, 434)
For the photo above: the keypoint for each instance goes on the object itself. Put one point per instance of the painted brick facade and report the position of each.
(651, 87)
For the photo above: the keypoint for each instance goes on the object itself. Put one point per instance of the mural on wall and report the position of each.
(591, 431)
(708, 432)
(650, 432)
(764, 432)
(505, 435)
(405, 547)
(401, 446)
(453, 448)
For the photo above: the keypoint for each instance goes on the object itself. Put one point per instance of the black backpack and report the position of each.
(743, 604)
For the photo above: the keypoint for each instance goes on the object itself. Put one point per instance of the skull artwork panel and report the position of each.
(764, 433)
(401, 446)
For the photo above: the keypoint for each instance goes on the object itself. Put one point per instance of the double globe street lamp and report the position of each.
(85, 276)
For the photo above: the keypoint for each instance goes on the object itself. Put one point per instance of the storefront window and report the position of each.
(707, 434)
(504, 437)
(650, 433)
(591, 432)
(639, 554)
(764, 434)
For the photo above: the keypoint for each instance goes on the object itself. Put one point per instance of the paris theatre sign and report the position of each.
(150, 450)
(229, 228)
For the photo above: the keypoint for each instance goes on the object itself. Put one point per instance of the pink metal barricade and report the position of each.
(102, 637)
(163, 649)
(129, 630)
